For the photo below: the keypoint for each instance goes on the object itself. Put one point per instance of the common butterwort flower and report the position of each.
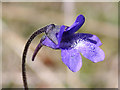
(71, 45)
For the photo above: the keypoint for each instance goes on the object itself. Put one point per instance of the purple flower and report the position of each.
(71, 43)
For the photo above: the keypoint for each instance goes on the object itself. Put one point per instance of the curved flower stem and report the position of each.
(25, 53)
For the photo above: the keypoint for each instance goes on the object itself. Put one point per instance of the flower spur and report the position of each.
(71, 43)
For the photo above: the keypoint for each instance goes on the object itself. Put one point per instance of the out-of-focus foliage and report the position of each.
(20, 20)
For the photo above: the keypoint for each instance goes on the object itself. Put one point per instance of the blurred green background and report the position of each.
(20, 20)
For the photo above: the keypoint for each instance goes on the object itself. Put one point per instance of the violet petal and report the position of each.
(91, 38)
(72, 40)
(72, 59)
(76, 25)
(62, 28)
(47, 42)
(90, 51)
